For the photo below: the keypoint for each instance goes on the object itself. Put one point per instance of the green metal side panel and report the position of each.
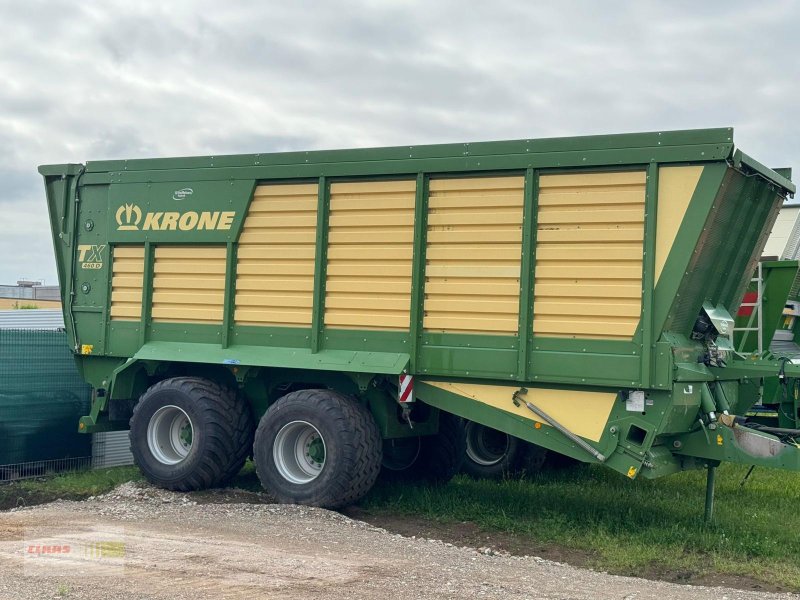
(42, 395)
(166, 201)
(388, 363)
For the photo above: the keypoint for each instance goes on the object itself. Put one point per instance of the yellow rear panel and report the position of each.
(370, 246)
(583, 413)
(472, 274)
(589, 244)
(676, 185)
(189, 284)
(127, 271)
(275, 274)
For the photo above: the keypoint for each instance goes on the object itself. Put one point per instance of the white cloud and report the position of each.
(119, 79)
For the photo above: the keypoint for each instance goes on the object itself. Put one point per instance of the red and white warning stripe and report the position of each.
(406, 389)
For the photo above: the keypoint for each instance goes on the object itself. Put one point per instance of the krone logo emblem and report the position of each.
(128, 217)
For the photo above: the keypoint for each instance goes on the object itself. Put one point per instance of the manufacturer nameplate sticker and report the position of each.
(635, 401)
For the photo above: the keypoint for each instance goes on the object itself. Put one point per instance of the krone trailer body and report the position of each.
(335, 312)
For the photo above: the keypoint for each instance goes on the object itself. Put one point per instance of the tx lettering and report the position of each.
(91, 256)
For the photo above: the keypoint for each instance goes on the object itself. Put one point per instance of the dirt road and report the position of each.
(147, 543)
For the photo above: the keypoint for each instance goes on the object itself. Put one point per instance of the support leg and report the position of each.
(710, 478)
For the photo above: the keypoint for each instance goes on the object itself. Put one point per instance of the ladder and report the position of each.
(755, 315)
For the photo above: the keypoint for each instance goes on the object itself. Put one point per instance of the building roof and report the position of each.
(31, 319)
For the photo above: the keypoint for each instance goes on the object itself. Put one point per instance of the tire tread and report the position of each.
(227, 427)
(358, 439)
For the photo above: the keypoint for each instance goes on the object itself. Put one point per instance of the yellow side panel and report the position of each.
(189, 284)
(676, 187)
(275, 272)
(127, 270)
(589, 250)
(370, 247)
(583, 413)
(472, 272)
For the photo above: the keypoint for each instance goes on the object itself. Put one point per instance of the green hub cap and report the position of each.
(316, 450)
(186, 435)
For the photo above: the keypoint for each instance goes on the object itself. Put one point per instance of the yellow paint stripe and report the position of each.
(129, 252)
(278, 316)
(585, 272)
(284, 191)
(382, 286)
(454, 289)
(591, 252)
(373, 188)
(601, 198)
(585, 235)
(589, 180)
(576, 217)
(477, 184)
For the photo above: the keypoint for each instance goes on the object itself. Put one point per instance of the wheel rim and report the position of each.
(486, 446)
(170, 435)
(299, 452)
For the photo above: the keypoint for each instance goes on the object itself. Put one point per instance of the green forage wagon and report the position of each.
(335, 313)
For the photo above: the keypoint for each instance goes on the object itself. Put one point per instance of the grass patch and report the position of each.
(18, 306)
(642, 527)
(68, 486)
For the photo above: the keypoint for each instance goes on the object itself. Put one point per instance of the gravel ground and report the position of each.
(178, 549)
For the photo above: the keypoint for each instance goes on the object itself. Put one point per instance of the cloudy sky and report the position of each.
(119, 79)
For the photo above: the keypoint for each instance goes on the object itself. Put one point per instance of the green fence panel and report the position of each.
(41, 398)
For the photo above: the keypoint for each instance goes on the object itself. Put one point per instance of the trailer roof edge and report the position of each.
(720, 137)
(740, 159)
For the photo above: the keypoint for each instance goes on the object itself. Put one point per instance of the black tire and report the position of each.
(351, 455)
(492, 454)
(531, 459)
(559, 462)
(221, 434)
(437, 458)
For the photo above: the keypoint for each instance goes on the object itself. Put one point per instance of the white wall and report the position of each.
(776, 244)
